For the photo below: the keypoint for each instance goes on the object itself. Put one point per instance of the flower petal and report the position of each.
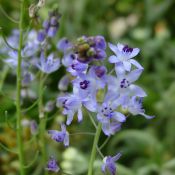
(120, 47)
(137, 91)
(116, 157)
(134, 52)
(113, 48)
(134, 75)
(80, 115)
(69, 118)
(119, 68)
(66, 139)
(90, 105)
(147, 116)
(127, 65)
(106, 128)
(113, 59)
(119, 117)
(136, 63)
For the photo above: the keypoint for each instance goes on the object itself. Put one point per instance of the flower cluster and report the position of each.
(50, 26)
(119, 89)
(89, 77)
(90, 48)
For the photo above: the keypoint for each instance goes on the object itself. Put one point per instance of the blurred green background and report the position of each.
(148, 147)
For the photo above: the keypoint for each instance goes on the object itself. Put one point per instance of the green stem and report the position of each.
(93, 153)
(3, 76)
(18, 92)
(43, 121)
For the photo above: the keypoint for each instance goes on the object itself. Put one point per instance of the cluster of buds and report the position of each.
(90, 48)
(50, 26)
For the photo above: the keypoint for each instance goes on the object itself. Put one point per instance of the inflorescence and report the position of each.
(84, 63)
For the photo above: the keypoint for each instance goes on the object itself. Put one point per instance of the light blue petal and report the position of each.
(80, 115)
(66, 139)
(134, 75)
(136, 63)
(113, 59)
(119, 117)
(127, 65)
(134, 52)
(113, 48)
(137, 91)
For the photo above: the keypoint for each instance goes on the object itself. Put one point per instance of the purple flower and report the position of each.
(12, 60)
(85, 87)
(98, 73)
(71, 105)
(41, 35)
(48, 65)
(100, 42)
(134, 106)
(123, 84)
(124, 54)
(68, 58)
(111, 120)
(52, 24)
(109, 166)
(32, 44)
(76, 68)
(64, 45)
(52, 165)
(60, 136)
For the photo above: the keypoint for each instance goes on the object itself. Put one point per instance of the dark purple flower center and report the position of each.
(72, 56)
(73, 66)
(52, 165)
(127, 49)
(84, 84)
(64, 104)
(124, 83)
(107, 112)
(59, 137)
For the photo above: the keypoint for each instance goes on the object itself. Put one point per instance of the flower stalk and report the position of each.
(18, 92)
(43, 121)
(93, 153)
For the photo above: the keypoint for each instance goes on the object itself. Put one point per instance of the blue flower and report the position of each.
(71, 105)
(111, 120)
(60, 136)
(48, 65)
(76, 68)
(52, 24)
(64, 45)
(52, 165)
(109, 166)
(12, 60)
(41, 35)
(68, 59)
(134, 106)
(32, 44)
(98, 73)
(123, 84)
(124, 54)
